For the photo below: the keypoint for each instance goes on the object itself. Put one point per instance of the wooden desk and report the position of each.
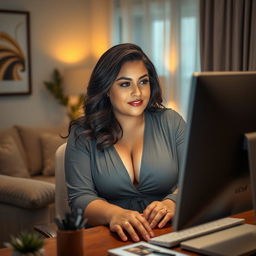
(99, 239)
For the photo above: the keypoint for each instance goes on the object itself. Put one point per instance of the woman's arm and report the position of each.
(79, 181)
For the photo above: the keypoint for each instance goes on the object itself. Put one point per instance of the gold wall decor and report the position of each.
(15, 71)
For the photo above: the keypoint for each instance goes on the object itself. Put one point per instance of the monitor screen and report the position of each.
(215, 179)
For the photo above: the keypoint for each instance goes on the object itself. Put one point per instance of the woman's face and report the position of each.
(130, 92)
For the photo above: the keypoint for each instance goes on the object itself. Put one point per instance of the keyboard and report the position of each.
(174, 238)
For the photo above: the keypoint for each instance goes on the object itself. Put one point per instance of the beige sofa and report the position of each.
(27, 182)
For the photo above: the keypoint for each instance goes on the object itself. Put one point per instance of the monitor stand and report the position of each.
(235, 241)
(251, 148)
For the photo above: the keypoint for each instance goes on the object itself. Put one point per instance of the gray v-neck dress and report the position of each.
(91, 174)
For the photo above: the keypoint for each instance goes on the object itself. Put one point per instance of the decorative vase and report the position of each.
(40, 252)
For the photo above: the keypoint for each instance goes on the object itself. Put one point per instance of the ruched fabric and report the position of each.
(92, 175)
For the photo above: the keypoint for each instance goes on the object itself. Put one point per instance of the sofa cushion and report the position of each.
(15, 135)
(50, 179)
(50, 142)
(11, 161)
(30, 137)
(26, 193)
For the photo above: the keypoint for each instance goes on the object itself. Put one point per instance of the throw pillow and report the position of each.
(50, 143)
(11, 161)
(13, 132)
(30, 137)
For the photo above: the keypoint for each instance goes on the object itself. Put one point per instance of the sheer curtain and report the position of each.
(167, 30)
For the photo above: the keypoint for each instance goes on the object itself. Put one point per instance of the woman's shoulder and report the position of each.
(78, 127)
(79, 137)
(166, 114)
(76, 130)
(168, 119)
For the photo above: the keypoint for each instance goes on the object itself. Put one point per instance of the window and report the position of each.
(167, 32)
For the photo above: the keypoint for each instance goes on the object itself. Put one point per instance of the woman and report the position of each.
(123, 156)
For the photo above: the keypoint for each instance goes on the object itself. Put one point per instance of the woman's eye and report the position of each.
(144, 81)
(125, 84)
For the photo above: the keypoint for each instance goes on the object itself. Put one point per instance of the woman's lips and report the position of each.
(135, 103)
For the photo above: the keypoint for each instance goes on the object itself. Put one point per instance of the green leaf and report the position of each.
(26, 242)
(56, 89)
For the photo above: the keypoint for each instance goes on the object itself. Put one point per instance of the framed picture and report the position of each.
(15, 71)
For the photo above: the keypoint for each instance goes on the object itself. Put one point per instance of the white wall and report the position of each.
(63, 33)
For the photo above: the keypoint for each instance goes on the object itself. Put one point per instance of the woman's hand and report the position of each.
(158, 213)
(131, 222)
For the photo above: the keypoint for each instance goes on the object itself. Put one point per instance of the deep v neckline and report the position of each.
(142, 156)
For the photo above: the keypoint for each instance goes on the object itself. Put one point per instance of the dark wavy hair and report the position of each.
(98, 121)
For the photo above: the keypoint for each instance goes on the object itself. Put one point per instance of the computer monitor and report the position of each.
(215, 179)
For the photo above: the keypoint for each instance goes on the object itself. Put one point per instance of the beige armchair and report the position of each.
(61, 196)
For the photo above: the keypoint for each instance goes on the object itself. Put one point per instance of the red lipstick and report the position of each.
(136, 103)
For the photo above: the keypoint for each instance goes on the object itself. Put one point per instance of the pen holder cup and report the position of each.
(70, 242)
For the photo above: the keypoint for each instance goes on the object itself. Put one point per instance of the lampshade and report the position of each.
(76, 80)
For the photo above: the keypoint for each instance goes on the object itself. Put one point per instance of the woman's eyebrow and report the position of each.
(143, 76)
(129, 79)
(123, 78)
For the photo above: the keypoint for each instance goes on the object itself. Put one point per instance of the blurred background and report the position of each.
(71, 35)
(180, 37)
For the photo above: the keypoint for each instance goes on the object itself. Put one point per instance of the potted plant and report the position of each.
(55, 87)
(26, 244)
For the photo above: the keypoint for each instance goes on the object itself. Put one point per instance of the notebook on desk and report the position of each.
(143, 248)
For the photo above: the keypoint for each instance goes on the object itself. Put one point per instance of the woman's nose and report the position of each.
(136, 91)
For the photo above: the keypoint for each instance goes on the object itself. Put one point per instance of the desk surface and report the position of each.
(99, 239)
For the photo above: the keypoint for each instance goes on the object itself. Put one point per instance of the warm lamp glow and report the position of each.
(100, 46)
(172, 104)
(99, 50)
(172, 60)
(173, 63)
(70, 52)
